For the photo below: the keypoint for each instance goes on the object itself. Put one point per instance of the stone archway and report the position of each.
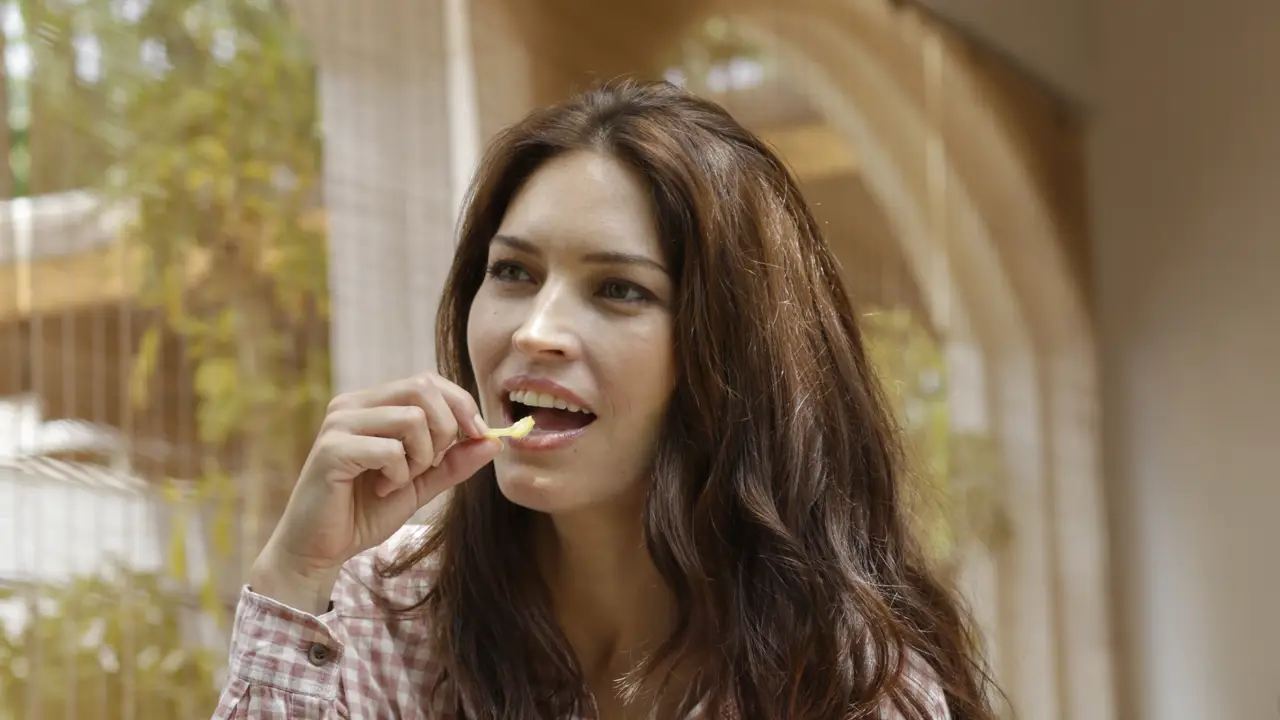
(974, 306)
(1007, 261)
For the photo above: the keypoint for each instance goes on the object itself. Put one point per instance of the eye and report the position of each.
(623, 291)
(507, 271)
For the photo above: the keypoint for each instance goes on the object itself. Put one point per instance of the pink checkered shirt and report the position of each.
(351, 662)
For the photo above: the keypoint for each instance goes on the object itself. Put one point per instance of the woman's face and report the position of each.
(573, 325)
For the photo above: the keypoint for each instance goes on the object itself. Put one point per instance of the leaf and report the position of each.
(256, 170)
(224, 526)
(144, 366)
(216, 377)
(172, 290)
(226, 325)
(198, 178)
(178, 547)
(210, 603)
(222, 399)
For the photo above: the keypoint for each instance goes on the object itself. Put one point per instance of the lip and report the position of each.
(543, 385)
(542, 439)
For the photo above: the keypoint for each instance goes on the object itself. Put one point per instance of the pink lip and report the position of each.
(541, 439)
(544, 440)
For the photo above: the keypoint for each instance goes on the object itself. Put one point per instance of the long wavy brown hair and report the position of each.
(776, 508)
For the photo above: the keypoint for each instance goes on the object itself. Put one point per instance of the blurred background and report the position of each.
(1058, 219)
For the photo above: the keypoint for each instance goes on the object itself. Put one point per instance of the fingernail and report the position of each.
(438, 458)
(481, 426)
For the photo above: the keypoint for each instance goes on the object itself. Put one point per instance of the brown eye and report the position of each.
(506, 271)
(622, 291)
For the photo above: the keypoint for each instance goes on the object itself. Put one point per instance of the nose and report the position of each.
(549, 330)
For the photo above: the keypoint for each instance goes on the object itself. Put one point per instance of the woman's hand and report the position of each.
(381, 455)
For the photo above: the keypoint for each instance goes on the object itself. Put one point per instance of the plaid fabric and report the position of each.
(353, 661)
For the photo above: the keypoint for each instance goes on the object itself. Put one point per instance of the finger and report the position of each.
(407, 423)
(423, 392)
(463, 406)
(464, 460)
(441, 422)
(355, 454)
(406, 391)
(419, 390)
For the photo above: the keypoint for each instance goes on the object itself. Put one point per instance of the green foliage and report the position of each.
(912, 368)
(105, 648)
(952, 498)
(202, 115)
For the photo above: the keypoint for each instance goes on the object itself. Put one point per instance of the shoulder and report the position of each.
(363, 591)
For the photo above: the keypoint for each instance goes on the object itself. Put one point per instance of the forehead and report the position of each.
(584, 200)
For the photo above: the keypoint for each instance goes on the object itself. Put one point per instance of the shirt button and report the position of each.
(319, 654)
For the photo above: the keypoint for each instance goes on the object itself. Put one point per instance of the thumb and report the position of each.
(459, 464)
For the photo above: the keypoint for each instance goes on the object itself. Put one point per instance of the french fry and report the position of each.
(521, 428)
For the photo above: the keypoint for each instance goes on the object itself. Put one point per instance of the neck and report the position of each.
(611, 603)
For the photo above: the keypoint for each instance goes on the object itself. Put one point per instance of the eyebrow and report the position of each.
(599, 258)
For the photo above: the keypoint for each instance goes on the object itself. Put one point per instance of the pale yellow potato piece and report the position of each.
(520, 429)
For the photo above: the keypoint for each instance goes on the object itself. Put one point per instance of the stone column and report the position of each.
(387, 180)
(404, 114)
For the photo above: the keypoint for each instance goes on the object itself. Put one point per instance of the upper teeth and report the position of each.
(536, 399)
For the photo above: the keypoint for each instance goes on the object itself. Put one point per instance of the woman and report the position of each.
(707, 520)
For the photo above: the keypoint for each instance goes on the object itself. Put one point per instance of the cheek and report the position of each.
(642, 369)
(484, 336)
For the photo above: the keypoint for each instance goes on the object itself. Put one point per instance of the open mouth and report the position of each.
(550, 414)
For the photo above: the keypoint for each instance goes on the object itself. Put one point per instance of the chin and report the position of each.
(537, 491)
(562, 493)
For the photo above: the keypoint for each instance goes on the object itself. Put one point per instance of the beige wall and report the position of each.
(1184, 161)
(1186, 168)
(1048, 37)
